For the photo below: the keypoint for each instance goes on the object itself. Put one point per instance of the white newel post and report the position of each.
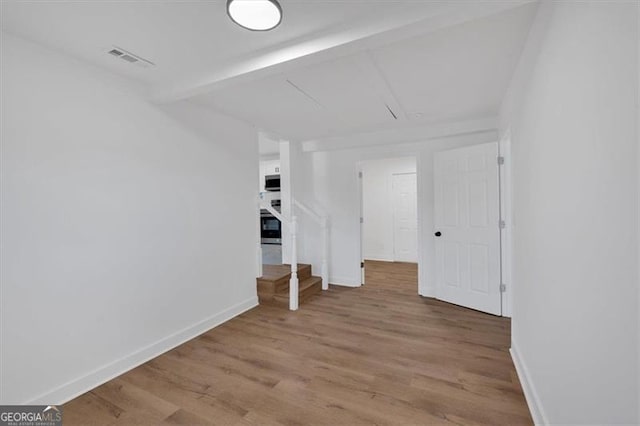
(325, 253)
(259, 240)
(293, 283)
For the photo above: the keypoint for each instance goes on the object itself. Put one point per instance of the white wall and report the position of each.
(377, 200)
(571, 111)
(332, 178)
(121, 233)
(267, 167)
(638, 190)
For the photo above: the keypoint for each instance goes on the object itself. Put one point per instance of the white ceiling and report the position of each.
(332, 68)
(186, 39)
(458, 73)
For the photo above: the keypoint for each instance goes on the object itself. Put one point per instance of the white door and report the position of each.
(405, 217)
(467, 234)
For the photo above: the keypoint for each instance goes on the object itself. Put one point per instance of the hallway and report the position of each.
(378, 354)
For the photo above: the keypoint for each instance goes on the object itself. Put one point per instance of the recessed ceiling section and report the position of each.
(344, 89)
(458, 73)
(188, 40)
(331, 98)
(457, 69)
(273, 104)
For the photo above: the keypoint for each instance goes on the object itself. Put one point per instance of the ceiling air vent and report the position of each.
(130, 57)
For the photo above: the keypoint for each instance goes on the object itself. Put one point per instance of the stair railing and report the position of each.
(293, 227)
(323, 221)
(268, 207)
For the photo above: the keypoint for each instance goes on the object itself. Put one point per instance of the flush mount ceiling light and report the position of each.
(255, 15)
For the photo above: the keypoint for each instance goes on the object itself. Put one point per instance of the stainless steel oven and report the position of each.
(270, 226)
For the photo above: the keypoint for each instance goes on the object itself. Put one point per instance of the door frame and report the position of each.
(419, 185)
(506, 191)
(505, 194)
(505, 180)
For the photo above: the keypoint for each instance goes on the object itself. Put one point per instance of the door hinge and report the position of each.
(503, 288)
(362, 220)
(360, 175)
(503, 224)
(500, 160)
(362, 264)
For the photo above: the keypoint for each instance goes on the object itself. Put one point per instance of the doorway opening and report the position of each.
(389, 223)
(270, 227)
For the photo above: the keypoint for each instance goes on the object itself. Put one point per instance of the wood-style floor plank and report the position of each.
(379, 354)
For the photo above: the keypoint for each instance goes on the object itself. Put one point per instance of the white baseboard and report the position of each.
(74, 388)
(345, 282)
(530, 394)
(427, 291)
(382, 257)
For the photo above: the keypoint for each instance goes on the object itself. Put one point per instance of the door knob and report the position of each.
(437, 234)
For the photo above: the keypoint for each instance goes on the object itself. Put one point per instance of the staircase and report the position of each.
(278, 283)
(273, 285)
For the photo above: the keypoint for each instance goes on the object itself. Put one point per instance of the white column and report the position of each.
(259, 243)
(325, 253)
(286, 193)
(293, 282)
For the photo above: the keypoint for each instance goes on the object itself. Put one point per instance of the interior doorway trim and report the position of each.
(506, 216)
(422, 282)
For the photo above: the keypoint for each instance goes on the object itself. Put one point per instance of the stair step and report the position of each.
(273, 285)
(278, 272)
(275, 278)
(275, 272)
(306, 289)
(304, 272)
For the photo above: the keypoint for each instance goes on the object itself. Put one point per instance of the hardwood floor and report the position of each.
(379, 354)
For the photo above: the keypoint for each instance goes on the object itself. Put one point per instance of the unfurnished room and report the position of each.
(319, 212)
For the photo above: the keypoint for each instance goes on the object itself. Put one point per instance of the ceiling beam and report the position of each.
(402, 135)
(329, 47)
